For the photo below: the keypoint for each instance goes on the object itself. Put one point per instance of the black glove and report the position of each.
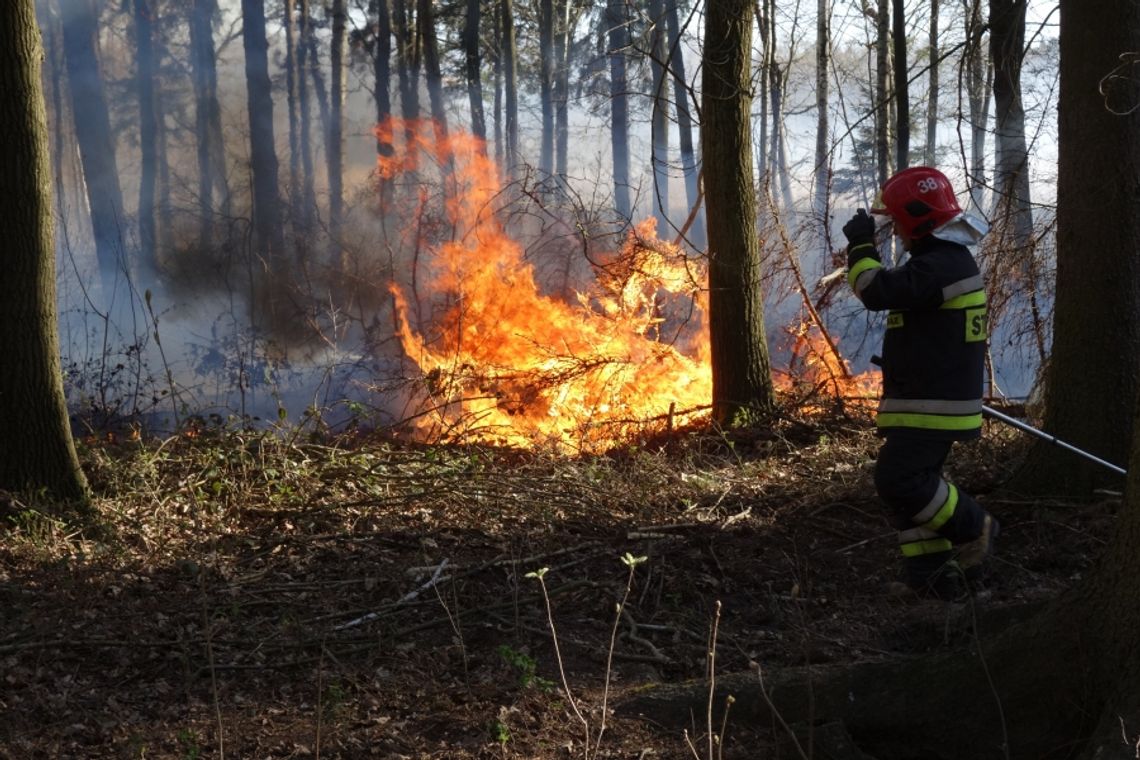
(860, 232)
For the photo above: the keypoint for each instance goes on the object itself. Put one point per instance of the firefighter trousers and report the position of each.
(930, 513)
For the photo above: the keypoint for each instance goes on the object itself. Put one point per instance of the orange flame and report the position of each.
(505, 363)
(817, 373)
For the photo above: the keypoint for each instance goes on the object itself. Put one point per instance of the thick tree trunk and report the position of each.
(1097, 308)
(36, 449)
(742, 381)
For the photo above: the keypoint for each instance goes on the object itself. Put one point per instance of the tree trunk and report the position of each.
(619, 42)
(1096, 316)
(779, 177)
(207, 117)
(382, 76)
(978, 75)
(96, 143)
(882, 90)
(148, 130)
(510, 86)
(1011, 162)
(426, 25)
(290, 22)
(497, 106)
(764, 11)
(659, 121)
(406, 63)
(676, 62)
(336, 135)
(742, 382)
(36, 448)
(930, 150)
(308, 191)
(563, 38)
(263, 154)
(546, 86)
(822, 124)
(474, 73)
(902, 87)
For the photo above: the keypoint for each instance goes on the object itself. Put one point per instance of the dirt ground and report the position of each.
(362, 598)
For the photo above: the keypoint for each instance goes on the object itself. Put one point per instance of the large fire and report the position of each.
(505, 363)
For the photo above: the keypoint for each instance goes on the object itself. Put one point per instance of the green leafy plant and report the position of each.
(526, 667)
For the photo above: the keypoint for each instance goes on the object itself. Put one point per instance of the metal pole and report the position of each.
(1051, 439)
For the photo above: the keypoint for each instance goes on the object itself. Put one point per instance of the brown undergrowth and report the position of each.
(252, 595)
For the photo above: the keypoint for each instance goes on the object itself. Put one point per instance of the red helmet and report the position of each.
(918, 199)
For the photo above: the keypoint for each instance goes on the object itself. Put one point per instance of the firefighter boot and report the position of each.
(934, 576)
(971, 556)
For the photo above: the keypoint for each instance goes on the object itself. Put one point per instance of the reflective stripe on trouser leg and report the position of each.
(918, 542)
(908, 478)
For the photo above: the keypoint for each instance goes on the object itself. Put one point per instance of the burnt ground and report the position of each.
(249, 596)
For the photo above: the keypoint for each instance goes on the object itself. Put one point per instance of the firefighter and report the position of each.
(932, 363)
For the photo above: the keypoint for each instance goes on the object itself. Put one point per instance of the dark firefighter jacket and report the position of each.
(934, 347)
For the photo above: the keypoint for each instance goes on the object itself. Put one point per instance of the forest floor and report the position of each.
(248, 595)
